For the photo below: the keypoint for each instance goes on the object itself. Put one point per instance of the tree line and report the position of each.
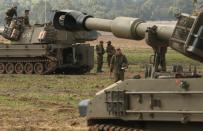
(145, 9)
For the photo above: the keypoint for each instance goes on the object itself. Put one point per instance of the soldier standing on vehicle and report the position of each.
(160, 58)
(10, 13)
(100, 52)
(26, 18)
(110, 50)
(118, 65)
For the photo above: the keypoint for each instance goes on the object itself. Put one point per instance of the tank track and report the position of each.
(39, 65)
(104, 127)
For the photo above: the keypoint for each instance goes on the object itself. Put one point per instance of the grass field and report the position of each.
(45, 102)
(35, 102)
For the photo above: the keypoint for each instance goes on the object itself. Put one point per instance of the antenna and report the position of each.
(194, 10)
(45, 11)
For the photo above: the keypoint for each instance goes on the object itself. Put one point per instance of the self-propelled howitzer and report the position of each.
(42, 49)
(149, 104)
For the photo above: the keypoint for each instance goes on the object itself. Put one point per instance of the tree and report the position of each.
(145, 9)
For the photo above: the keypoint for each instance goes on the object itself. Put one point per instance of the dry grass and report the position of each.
(45, 102)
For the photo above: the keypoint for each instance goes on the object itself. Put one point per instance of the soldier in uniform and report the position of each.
(10, 13)
(110, 50)
(26, 18)
(118, 65)
(160, 58)
(100, 52)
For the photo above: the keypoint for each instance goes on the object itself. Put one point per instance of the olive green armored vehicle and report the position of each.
(42, 49)
(169, 103)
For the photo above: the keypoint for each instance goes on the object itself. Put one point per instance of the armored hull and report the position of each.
(37, 59)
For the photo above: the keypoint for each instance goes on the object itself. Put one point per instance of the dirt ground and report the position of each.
(38, 103)
(46, 102)
(34, 103)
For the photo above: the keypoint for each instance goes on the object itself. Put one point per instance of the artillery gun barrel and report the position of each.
(126, 27)
(122, 27)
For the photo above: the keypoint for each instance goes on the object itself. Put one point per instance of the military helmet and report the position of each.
(118, 49)
(15, 6)
(108, 42)
(27, 11)
(101, 42)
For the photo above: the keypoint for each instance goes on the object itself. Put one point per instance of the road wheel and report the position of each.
(19, 68)
(2, 68)
(28, 68)
(38, 68)
(10, 68)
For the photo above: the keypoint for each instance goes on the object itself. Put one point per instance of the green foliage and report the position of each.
(145, 9)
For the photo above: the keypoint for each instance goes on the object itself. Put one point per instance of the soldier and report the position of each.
(10, 13)
(110, 50)
(26, 18)
(100, 52)
(118, 65)
(160, 58)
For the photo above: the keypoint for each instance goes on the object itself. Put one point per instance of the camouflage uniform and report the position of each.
(100, 52)
(9, 15)
(160, 58)
(110, 50)
(117, 63)
(26, 18)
